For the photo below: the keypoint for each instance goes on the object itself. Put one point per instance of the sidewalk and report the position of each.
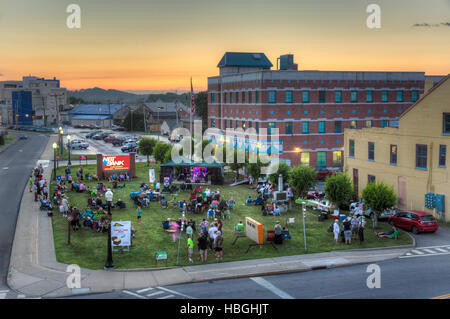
(35, 272)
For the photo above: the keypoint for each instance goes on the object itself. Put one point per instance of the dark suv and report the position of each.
(129, 147)
(118, 141)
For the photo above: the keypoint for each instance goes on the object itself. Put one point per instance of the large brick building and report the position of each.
(310, 109)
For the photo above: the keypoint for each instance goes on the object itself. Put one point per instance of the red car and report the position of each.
(415, 221)
(109, 139)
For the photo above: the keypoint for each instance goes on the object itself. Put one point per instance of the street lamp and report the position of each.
(61, 144)
(68, 147)
(109, 261)
(55, 146)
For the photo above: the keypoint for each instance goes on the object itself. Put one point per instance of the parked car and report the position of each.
(118, 141)
(314, 193)
(324, 173)
(91, 134)
(415, 221)
(325, 205)
(23, 136)
(100, 136)
(79, 145)
(129, 147)
(109, 138)
(119, 129)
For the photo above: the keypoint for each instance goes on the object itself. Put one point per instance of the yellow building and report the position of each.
(412, 158)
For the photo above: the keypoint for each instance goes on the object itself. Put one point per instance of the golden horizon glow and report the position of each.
(160, 45)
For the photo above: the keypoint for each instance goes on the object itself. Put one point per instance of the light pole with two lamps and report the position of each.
(55, 147)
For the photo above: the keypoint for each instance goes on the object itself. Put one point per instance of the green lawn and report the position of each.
(88, 247)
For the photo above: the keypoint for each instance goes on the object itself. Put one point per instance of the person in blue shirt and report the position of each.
(249, 200)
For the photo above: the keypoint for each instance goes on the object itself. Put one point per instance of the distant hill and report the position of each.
(98, 95)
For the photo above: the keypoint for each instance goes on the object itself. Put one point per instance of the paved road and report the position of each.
(16, 164)
(423, 277)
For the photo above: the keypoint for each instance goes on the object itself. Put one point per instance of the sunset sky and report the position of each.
(160, 44)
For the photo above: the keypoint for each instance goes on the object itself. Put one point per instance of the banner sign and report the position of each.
(254, 230)
(121, 234)
(162, 255)
(116, 163)
(83, 157)
(151, 175)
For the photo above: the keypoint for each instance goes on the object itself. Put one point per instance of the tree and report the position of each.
(378, 197)
(168, 154)
(284, 170)
(134, 121)
(159, 151)
(254, 169)
(146, 146)
(237, 162)
(339, 189)
(201, 108)
(302, 178)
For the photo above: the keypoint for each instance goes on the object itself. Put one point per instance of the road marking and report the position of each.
(442, 250)
(417, 252)
(176, 293)
(5, 167)
(264, 283)
(166, 297)
(20, 296)
(427, 255)
(155, 293)
(144, 290)
(133, 294)
(429, 251)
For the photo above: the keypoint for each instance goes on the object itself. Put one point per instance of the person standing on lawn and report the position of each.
(30, 180)
(202, 243)
(336, 231)
(362, 224)
(347, 231)
(212, 235)
(218, 242)
(139, 214)
(190, 247)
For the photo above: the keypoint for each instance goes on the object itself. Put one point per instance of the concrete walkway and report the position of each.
(34, 271)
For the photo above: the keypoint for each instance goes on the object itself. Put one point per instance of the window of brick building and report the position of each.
(322, 127)
(337, 126)
(338, 97)
(305, 97)
(288, 96)
(243, 97)
(256, 96)
(442, 155)
(371, 156)
(421, 156)
(288, 128)
(446, 125)
(272, 97)
(354, 96)
(305, 127)
(304, 159)
(399, 96)
(384, 96)
(353, 124)
(369, 123)
(351, 151)
(250, 95)
(322, 96)
(369, 96)
(337, 158)
(393, 155)
(321, 159)
(414, 96)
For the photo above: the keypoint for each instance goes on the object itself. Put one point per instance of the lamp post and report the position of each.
(68, 148)
(55, 146)
(109, 261)
(304, 229)
(61, 145)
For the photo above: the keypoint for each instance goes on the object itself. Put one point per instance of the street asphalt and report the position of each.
(16, 164)
(423, 277)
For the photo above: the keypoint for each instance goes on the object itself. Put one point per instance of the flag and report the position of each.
(192, 99)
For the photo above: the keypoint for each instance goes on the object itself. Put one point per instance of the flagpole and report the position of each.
(190, 122)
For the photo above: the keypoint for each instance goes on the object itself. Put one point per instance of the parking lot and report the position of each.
(99, 146)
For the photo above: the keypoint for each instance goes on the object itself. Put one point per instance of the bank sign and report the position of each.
(116, 163)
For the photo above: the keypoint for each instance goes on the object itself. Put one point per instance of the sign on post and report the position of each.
(121, 234)
(254, 230)
(151, 175)
(116, 163)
